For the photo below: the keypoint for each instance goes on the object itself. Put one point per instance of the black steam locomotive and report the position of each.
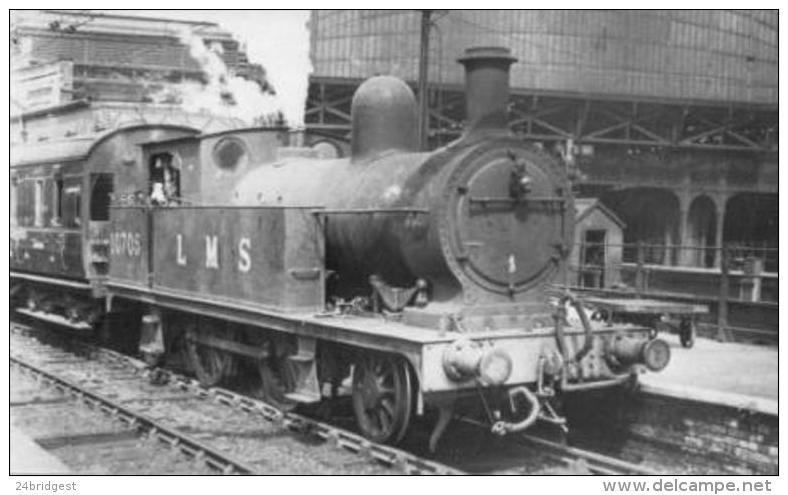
(409, 280)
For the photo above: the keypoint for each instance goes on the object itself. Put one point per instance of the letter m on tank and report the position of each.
(270, 257)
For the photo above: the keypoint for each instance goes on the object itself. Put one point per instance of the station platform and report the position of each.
(27, 457)
(738, 375)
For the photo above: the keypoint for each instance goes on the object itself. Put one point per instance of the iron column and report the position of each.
(423, 78)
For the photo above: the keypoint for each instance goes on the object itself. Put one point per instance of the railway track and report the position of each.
(520, 454)
(209, 426)
(117, 440)
(534, 454)
(594, 462)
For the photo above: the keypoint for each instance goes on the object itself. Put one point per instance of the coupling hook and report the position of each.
(501, 428)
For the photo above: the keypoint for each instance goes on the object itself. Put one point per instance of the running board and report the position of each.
(56, 319)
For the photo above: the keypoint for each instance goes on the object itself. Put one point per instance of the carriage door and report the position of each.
(100, 197)
(592, 258)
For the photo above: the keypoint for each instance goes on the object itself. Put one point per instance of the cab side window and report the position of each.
(165, 179)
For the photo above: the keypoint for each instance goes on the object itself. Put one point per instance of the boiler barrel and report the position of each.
(377, 215)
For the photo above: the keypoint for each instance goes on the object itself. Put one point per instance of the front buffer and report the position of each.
(515, 372)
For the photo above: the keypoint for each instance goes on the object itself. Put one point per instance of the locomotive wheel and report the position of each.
(211, 365)
(382, 397)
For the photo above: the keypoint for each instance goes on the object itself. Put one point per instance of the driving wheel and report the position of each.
(382, 397)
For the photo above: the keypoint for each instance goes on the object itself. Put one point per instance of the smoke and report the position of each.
(284, 52)
(277, 40)
(222, 93)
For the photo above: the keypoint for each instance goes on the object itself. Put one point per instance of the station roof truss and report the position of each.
(583, 119)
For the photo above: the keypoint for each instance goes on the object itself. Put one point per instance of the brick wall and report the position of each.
(743, 441)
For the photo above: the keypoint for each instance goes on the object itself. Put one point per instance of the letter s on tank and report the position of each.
(244, 260)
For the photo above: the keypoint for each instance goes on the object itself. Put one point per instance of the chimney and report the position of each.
(487, 88)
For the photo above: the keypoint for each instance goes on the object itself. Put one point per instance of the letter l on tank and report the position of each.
(180, 257)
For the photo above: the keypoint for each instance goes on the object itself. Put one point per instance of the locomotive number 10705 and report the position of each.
(130, 244)
(125, 243)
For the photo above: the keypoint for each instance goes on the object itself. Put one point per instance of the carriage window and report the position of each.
(78, 208)
(71, 202)
(38, 203)
(13, 201)
(100, 196)
(57, 201)
(165, 179)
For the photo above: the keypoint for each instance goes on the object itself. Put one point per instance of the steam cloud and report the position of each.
(287, 71)
(223, 93)
(286, 60)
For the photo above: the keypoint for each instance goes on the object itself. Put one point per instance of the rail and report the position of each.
(594, 462)
(338, 437)
(144, 425)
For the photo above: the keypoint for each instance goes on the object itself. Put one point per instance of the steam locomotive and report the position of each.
(409, 280)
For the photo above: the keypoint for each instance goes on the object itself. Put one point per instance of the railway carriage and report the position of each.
(60, 196)
(414, 280)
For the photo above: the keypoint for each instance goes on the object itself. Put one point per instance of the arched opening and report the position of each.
(651, 216)
(751, 227)
(701, 233)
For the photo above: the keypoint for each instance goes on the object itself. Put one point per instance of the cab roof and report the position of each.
(71, 149)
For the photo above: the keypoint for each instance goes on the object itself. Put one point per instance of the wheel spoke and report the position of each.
(383, 420)
(387, 391)
(388, 406)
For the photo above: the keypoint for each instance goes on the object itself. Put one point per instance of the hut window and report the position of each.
(593, 258)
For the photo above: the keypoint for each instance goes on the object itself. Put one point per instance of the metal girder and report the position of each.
(721, 130)
(328, 106)
(584, 120)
